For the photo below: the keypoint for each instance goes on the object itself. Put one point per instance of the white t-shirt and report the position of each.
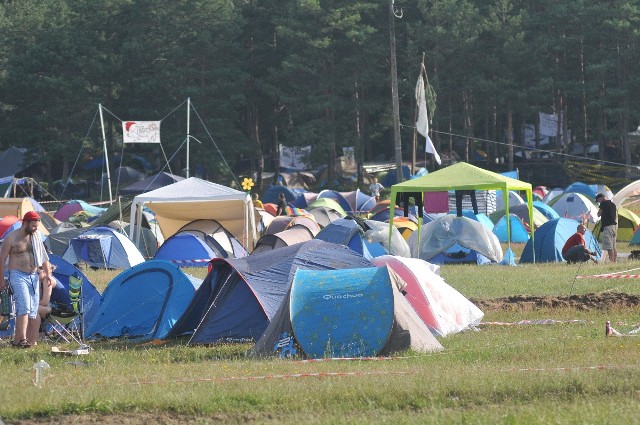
(375, 189)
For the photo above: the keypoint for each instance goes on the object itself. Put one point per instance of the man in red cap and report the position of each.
(25, 253)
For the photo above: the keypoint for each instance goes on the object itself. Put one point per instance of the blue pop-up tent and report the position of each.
(356, 312)
(550, 239)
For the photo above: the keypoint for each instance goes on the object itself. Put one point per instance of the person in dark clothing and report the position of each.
(459, 195)
(282, 205)
(608, 213)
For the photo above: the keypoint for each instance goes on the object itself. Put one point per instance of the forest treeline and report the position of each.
(313, 72)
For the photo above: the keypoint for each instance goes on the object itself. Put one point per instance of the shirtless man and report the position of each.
(25, 251)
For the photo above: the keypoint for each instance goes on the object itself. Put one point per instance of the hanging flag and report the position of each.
(295, 157)
(422, 123)
(140, 131)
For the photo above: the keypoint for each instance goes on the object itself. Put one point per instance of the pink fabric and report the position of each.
(436, 202)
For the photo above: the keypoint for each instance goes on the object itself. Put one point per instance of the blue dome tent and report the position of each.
(143, 302)
(519, 232)
(550, 239)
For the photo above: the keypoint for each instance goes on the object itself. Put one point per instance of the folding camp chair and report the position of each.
(66, 322)
(7, 308)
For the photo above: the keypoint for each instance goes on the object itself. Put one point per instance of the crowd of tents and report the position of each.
(339, 275)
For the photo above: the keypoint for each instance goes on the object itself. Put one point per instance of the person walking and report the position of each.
(22, 252)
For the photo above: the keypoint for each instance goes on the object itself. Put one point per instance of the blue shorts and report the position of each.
(26, 292)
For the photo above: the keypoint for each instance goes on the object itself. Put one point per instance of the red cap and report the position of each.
(31, 216)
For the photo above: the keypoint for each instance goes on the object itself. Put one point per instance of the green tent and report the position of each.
(628, 222)
(461, 176)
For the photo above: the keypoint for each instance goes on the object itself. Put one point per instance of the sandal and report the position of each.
(22, 344)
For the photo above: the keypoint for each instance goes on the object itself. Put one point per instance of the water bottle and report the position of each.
(39, 372)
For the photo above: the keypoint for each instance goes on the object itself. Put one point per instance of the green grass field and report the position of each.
(564, 373)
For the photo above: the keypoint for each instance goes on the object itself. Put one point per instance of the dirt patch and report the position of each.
(604, 301)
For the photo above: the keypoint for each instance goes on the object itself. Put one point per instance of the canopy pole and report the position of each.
(188, 132)
(531, 225)
(106, 157)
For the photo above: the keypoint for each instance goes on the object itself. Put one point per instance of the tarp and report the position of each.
(239, 296)
(550, 239)
(191, 199)
(144, 302)
(357, 312)
(460, 176)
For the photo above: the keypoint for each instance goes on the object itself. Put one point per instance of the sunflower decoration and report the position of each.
(247, 184)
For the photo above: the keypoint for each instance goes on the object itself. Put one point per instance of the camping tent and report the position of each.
(191, 199)
(284, 222)
(630, 190)
(522, 211)
(441, 307)
(72, 207)
(144, 301)
(351, 202)
(514, 199)
(103, 247)
(345, 313)
(552, 194)
(575, 206)
(273, 192)
(325, 210)
(18, 207)
(239, 296)
(518, 230)
(545, 210)
(351, 233)
(628, 222)
(550, 239)
(291, 236)
(460, 176)
(452, 239)
(186, 250)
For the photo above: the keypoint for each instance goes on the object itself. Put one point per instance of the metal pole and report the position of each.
(188, 132)
(106, 156)
(394, 93)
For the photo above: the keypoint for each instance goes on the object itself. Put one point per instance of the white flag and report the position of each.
(140, 131)
(422, 123)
